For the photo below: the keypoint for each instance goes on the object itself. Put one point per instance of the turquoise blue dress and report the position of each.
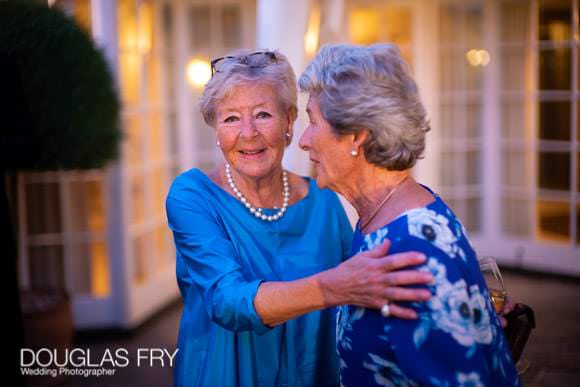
(457, 340)
(223, 254)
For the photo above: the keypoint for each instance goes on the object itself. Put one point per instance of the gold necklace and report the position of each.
(382, 203)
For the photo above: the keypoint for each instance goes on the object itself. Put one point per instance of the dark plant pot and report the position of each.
(48, 323)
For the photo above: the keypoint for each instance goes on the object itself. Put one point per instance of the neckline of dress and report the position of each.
(434, 203)
(226, 193)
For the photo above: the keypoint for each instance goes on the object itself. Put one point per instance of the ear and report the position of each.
(359, 138)
(291, 114)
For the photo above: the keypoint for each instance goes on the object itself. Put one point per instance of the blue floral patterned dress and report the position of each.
(457, 339)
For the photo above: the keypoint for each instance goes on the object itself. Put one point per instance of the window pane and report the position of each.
(553, 220)
(160, 188)
(200, 27)
(555, 20)
(157, 139)
(232, 26)
(468, 212)
(164, 254)
(43, 208)
(516, 167)
(473, 117)
(450, 72)
(513, 119)
(101, 286)
(473, 76)
(141, 250)
(46, 267)
(514, 63)
(555, 67)
(80, 269)
(554, 120)
(473, 24)
(554, 170)
(137, 199)
(449, 28)
(449, 161)
(473, 174)
(515, 21)
(364, 25)
(87, 206)
(448, 120)
(134, 140)
(516, 216)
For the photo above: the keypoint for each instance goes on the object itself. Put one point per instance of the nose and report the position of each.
(248, 129)
(305, 142)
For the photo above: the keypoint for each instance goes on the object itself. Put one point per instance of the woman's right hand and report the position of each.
(372, 278)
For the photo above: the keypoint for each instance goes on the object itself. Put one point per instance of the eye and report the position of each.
(263, 115)
(231, 119)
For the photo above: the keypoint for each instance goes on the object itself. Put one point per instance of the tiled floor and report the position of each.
(553, 349)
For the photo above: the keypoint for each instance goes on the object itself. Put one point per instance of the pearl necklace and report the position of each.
(257, 212)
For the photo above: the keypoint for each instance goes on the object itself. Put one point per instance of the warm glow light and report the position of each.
(364, 26)
(198, 72)
(478, 57)
(311, 37)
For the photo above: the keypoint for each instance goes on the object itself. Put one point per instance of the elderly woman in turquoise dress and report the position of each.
(262, 252)
(367, 130)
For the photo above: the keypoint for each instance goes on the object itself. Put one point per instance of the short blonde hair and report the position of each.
(370, 87)
(273, 69)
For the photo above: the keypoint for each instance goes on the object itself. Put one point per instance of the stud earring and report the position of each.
(354, 153)
(288, 134)
(218, 143)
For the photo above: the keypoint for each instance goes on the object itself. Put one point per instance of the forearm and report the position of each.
(278, 302)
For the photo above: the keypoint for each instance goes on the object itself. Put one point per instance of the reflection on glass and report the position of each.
(555, 69)
(46, 267)
(555, 20)
(553, 220)
(516, 217)
(554, 120)
(43, 209)
(554, 170)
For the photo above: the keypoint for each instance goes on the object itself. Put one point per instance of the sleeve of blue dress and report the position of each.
(457, 339)
(211, 264)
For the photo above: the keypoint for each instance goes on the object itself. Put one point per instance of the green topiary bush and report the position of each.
(60, 108)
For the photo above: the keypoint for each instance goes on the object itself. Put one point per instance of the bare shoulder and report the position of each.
(299, 187)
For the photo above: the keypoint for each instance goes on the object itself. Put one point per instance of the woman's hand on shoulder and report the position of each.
(372, 278)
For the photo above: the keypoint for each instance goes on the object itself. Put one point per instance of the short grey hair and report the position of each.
(253, 68)
(370, 87)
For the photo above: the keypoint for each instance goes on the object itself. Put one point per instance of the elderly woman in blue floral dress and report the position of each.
(367, 130)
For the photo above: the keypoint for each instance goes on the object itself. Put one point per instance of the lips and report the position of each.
(252, 152)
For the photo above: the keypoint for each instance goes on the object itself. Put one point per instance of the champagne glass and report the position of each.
(498, 295)
(494, 280)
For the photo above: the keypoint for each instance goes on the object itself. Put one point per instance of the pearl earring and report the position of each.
(218, 143)
(354, 153)
(288, 134)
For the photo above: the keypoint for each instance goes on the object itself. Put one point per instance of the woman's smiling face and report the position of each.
(251, 126)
